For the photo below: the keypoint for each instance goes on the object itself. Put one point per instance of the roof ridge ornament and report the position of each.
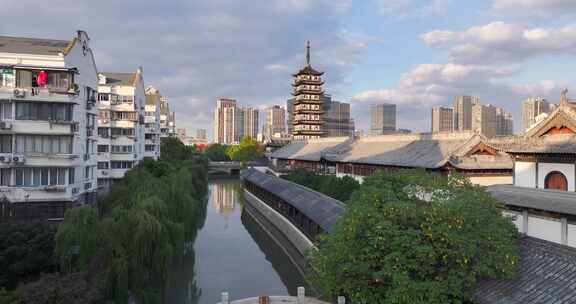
(308, 53)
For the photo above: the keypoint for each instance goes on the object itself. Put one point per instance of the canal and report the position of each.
(231, 253)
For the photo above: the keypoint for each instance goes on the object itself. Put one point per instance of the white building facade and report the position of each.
(152, 123)
(121, 132)
(47, 125)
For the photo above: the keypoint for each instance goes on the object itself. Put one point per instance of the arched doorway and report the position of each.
(556, 181)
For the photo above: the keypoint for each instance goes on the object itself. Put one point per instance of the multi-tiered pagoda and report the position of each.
(308, 113)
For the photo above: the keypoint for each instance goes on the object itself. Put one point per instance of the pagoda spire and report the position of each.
(308, 53)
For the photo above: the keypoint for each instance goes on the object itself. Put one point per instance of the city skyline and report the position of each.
(364, 61)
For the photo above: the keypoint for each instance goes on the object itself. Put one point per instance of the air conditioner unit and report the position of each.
(5, 125)
(5, 158)
(18, 158)
(19, 93)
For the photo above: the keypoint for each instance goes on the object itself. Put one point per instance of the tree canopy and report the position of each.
(415, 237)
(340, 188)
(244, 152)
(216, 152)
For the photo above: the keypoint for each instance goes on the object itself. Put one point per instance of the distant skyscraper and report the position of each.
(290, 115)
(308, 117)
(250, 120)
(442, 119)
(181, 133)
(463, 112)
(201, 134)
(275, 121)
(531, 108)
(484, 119)
(228, 122)
(383, 119)
(504, 123)
(337, 118)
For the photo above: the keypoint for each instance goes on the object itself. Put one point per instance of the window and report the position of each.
(122, 131)
(121, 165)
(103, 96)
(103, 132)
(60, 80)
(133, 116)
(103, 148)
(103, 165)
(49, 144)
(149, 148)
(7, 78)
(5, 111)
(121, 149)
(33, 177)
(5, 177)
(43, 111)
(5, 143)
(104, 114)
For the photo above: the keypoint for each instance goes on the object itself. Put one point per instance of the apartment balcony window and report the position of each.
(104, 114)
(132, 116)
(122, 131)
(47, 144)
(43, 111)
(53, 80)
(5, 143)
(7, 78)
(5, 111)
(104, 132)
(5, 177)
(103, 97)
(103, 148)
(121, 164)
(34, 177)
(150, 148)
(103, 165)
(122, 149)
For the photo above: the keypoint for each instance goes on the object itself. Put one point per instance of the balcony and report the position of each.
(38, 94)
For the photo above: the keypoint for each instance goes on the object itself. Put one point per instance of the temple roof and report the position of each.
(309, 70)
(546, 274)
(561, 202)
(429, 151)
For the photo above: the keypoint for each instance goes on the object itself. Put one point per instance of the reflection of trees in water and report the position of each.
(281, 263)
(182, 287)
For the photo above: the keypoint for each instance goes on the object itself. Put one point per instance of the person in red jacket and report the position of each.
(42, 78)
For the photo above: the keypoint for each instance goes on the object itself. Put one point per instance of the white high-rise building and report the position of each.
(382, 119)
(251, 123)
(152, 123)
(532, 108)
(442, 119)
(121, 101)
(48, 94)
(275, 121)
(167, 119)
(463, 112)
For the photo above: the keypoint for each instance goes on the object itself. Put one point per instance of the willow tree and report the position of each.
(415, 237)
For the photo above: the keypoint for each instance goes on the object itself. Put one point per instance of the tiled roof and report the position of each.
(546, 275)
(123, 79)
(320, 208)
(546, 200)
(32, 45)
(400, 150)
(309, 150)
(309, 70)
(564, 144)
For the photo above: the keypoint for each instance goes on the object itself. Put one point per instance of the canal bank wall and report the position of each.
(292, 241)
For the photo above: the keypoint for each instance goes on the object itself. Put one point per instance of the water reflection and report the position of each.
(231, 253)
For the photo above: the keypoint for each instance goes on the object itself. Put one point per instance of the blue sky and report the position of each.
(415, 53)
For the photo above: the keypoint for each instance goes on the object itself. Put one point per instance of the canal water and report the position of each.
(231, 253)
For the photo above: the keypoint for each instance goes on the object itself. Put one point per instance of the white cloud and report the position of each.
(196, 51)
(539, 6)
(500, 42)
(401, 9)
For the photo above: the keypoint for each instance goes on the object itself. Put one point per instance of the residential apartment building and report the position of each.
(463, 112)
(121, 132)
(48, 94)
(250, 121)
(484, 119)
(337, 119)
(201, 134)
(504, 123)
(229, 124)
(152, 123)
(532, 108)
(290, 116)
(442, 119)
(167, 119)
(382, 119)
(275, 121)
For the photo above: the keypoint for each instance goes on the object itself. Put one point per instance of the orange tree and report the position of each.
(415, 237)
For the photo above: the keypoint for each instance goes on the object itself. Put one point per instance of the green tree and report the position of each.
(415, 237)
(244, 152)
(340, 188)
(216, 152)
(26, 251)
